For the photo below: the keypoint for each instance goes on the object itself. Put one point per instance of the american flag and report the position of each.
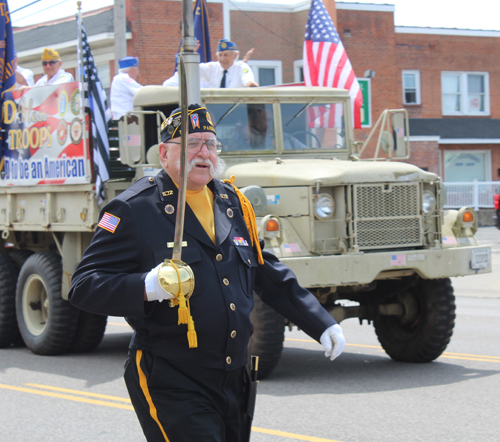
(96, 103)
(326, 64)
(109, 222)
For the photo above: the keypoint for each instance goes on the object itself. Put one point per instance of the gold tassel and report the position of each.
(183, 310)
(192, 338)
(181, 299)
(249, 217)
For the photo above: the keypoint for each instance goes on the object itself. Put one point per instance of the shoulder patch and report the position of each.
(109, 222)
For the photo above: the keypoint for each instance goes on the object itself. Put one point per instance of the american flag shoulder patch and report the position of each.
(109, 222)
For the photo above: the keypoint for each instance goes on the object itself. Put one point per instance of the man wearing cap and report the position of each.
(238, 73)
(227, 72)
(124, 87)
(52, 63)
(186, 373)
(24, 77)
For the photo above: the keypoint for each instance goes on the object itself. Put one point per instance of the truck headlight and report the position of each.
(324, 206)
(428, 202)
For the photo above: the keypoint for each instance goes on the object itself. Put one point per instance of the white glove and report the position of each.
(154, 290)
(333, 341)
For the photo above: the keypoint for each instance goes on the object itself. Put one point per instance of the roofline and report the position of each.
(61, 20)
(440, 140)
(303, 6)
(93, 39)
(446, 31)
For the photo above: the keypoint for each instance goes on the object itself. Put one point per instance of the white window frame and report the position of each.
(417, 87)
(268, 64)
(487, 157)
(464, 93)
(106, 82)
(297, 66)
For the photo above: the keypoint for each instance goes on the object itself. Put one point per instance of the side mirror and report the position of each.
(398, 122)
(392, 133)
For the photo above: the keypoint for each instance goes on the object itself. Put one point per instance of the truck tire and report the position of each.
(9, 331)
(46, 321)
(422, 333)
(89, 332)
(268, 336)
(20, 256)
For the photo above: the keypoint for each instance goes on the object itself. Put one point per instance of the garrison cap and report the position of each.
(226, 45)
(50, 54)
(128, 62)
(199, 120)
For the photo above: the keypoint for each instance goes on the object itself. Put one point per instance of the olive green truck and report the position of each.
(368, 237)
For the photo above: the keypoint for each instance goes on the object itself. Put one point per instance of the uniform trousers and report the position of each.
(178, 402)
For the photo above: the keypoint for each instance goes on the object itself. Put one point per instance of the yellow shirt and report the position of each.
(202, 204)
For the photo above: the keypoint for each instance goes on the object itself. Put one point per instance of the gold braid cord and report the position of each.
(249, 217)
(185, 311)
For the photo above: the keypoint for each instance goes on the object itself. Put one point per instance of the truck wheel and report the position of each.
(9, 331)
(46, 321)
(89, 332)
(268, 335)
(20, 256)
(424, 330)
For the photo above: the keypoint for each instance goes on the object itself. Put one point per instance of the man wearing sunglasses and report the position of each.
(188, 380)
(51, 62)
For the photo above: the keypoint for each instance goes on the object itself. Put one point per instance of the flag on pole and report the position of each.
(326, 64)
(7, 69)
(201, 32)
(96, 103)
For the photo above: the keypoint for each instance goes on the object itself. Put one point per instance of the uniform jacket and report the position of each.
(60, 77)
(123, 90)
(110, 277)
(238, 74)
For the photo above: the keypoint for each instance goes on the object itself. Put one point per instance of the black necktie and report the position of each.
(223, 81)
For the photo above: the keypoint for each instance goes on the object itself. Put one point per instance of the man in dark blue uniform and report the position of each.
(182, 390)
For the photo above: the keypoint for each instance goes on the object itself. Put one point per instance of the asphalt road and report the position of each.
(363, 396)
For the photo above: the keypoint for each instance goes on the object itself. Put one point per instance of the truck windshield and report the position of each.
(319, 126)
(244, 127)
(251, 126)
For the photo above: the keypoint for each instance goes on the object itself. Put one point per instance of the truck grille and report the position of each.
(387, 215)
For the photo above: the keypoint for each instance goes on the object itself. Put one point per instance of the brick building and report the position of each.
(447, 79)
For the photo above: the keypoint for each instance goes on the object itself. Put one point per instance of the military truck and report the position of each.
(368, 237)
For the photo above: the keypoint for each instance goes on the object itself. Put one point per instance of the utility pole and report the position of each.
(120, 20)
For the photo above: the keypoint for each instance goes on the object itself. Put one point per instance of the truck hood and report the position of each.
(306, 172)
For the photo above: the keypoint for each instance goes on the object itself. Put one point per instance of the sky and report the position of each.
(461, 14)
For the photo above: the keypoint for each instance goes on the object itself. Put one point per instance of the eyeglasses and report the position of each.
(195, 145)
(51, 62)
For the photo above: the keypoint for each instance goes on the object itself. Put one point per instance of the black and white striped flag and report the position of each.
(96, 104)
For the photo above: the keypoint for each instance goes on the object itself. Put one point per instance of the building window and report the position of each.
(104, 74)
(465, 93)
(467, 165)
(266, 72)
(411, 87)
(298, 71)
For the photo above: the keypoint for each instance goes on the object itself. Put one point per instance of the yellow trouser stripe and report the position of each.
(144, 386)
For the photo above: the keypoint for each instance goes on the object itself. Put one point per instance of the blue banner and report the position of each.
(201, 31)
(7, 67)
